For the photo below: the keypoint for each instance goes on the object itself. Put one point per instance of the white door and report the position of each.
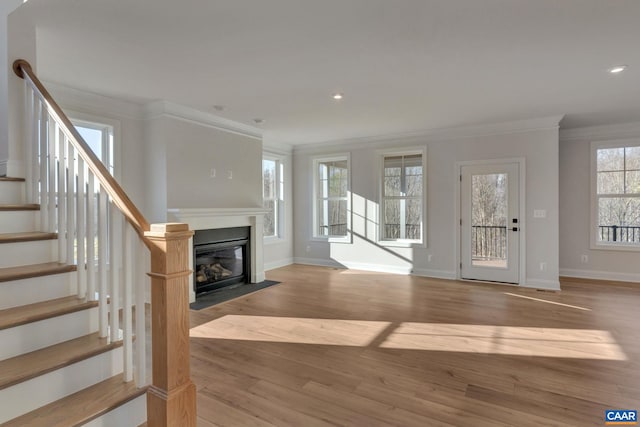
(490, 225)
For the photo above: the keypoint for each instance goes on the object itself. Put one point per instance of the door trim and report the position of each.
(522, 214)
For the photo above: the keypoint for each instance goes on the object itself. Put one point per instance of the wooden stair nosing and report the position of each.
(23, 207)
(8, 274)
(11, 179)
(79, 408)
(16, 316)
(31, 236)
(39, 362)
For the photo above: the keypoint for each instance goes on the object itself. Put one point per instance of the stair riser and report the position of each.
(35, 289)
(11, 193)
(18, 221)
(36, 392)
(36, 335)
(132, 413)
(26, 253)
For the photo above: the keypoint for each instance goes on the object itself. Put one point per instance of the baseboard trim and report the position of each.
(3, 167)
(436, 274)
(599, 275)
(550, 285)
(277, 264)
(320, 262)
(12, 168)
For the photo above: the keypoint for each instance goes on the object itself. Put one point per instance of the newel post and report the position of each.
(171, 398)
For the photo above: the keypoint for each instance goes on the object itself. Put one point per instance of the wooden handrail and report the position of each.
(22, 68)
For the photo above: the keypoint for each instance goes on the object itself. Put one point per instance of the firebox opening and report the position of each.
(220, 258)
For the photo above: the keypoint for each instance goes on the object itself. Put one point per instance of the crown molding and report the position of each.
(604, 132)
(93, 103)
(434, 135)
(279, 148)
(158, 109)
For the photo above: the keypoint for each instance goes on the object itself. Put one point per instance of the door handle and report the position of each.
(514, 229)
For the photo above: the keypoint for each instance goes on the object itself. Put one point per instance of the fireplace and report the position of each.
(221, 258)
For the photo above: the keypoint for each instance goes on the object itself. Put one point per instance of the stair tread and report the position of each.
(81, 407)
(17, 316)
(20, 207)
(30, 365)
(11, 179)
(34, 270)
(26, 236)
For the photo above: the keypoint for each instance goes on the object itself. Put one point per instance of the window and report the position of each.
(616, 195)
(99, 137)
(402, 197)
(331, 201)
(273, 196)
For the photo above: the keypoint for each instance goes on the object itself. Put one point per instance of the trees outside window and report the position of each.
(272, 196)
(402, 197)
(331, 190)
(617, 196)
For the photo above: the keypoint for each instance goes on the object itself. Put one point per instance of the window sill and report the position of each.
(346, 239)
(615, 247)
(402, 243)
(273, 240)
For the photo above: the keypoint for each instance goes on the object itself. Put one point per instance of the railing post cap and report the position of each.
(170, 227)
(18, 65)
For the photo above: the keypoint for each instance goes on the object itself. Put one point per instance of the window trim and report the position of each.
(594, 212)
(280, 198)
(402, 243)
(348, 238)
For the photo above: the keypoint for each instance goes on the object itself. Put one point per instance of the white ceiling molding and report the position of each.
(93, 103)
(279, 148)
(591, 133)
(181, 112)
(518, 126)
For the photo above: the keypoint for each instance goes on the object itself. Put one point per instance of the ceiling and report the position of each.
(404, 66)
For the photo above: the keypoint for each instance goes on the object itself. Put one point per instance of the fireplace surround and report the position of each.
(220, 218)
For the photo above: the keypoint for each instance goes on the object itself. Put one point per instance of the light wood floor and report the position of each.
(339, 347)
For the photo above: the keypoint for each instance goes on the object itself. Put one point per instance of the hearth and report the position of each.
(220, 258)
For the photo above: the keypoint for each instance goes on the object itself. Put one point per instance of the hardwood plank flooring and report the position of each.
(352, 348)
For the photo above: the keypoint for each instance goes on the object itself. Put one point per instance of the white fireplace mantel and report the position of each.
(211, 218)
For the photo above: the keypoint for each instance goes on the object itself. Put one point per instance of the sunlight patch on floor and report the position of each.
(358, 333)
(506, 340)
(445, 337)
(547, 301)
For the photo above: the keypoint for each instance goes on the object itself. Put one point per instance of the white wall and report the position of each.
(539, 148)
(575, 158)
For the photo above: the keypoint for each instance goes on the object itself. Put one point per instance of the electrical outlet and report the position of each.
(308, 248)
(429, 257)
(229, 174)
(212, 174)
(584, 259)
(543, 266)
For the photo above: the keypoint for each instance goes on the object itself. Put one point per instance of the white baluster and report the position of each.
(115, 256)
(102, 262)
(81, 230)
(44, 168)
(28, 128)
(52, 202)
(62, 207)
(141, 328)
(91, 238)
(128, 302)
(35, 144)
(71, 198)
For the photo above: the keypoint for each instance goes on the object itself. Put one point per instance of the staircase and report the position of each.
(55, 369)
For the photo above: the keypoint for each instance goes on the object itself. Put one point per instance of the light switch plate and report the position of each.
(539, 213)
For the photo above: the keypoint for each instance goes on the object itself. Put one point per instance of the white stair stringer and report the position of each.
(26, 253)
(18, 221)
(44, 333)
(16, 293)
(11, 192)
(44, 389)
(132, 413)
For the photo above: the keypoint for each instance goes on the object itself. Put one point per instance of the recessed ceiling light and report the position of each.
(259, 121)
(337, 96)
(219, 107)
(617, 69)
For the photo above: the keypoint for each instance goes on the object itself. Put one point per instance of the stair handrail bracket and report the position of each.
(117, 251)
